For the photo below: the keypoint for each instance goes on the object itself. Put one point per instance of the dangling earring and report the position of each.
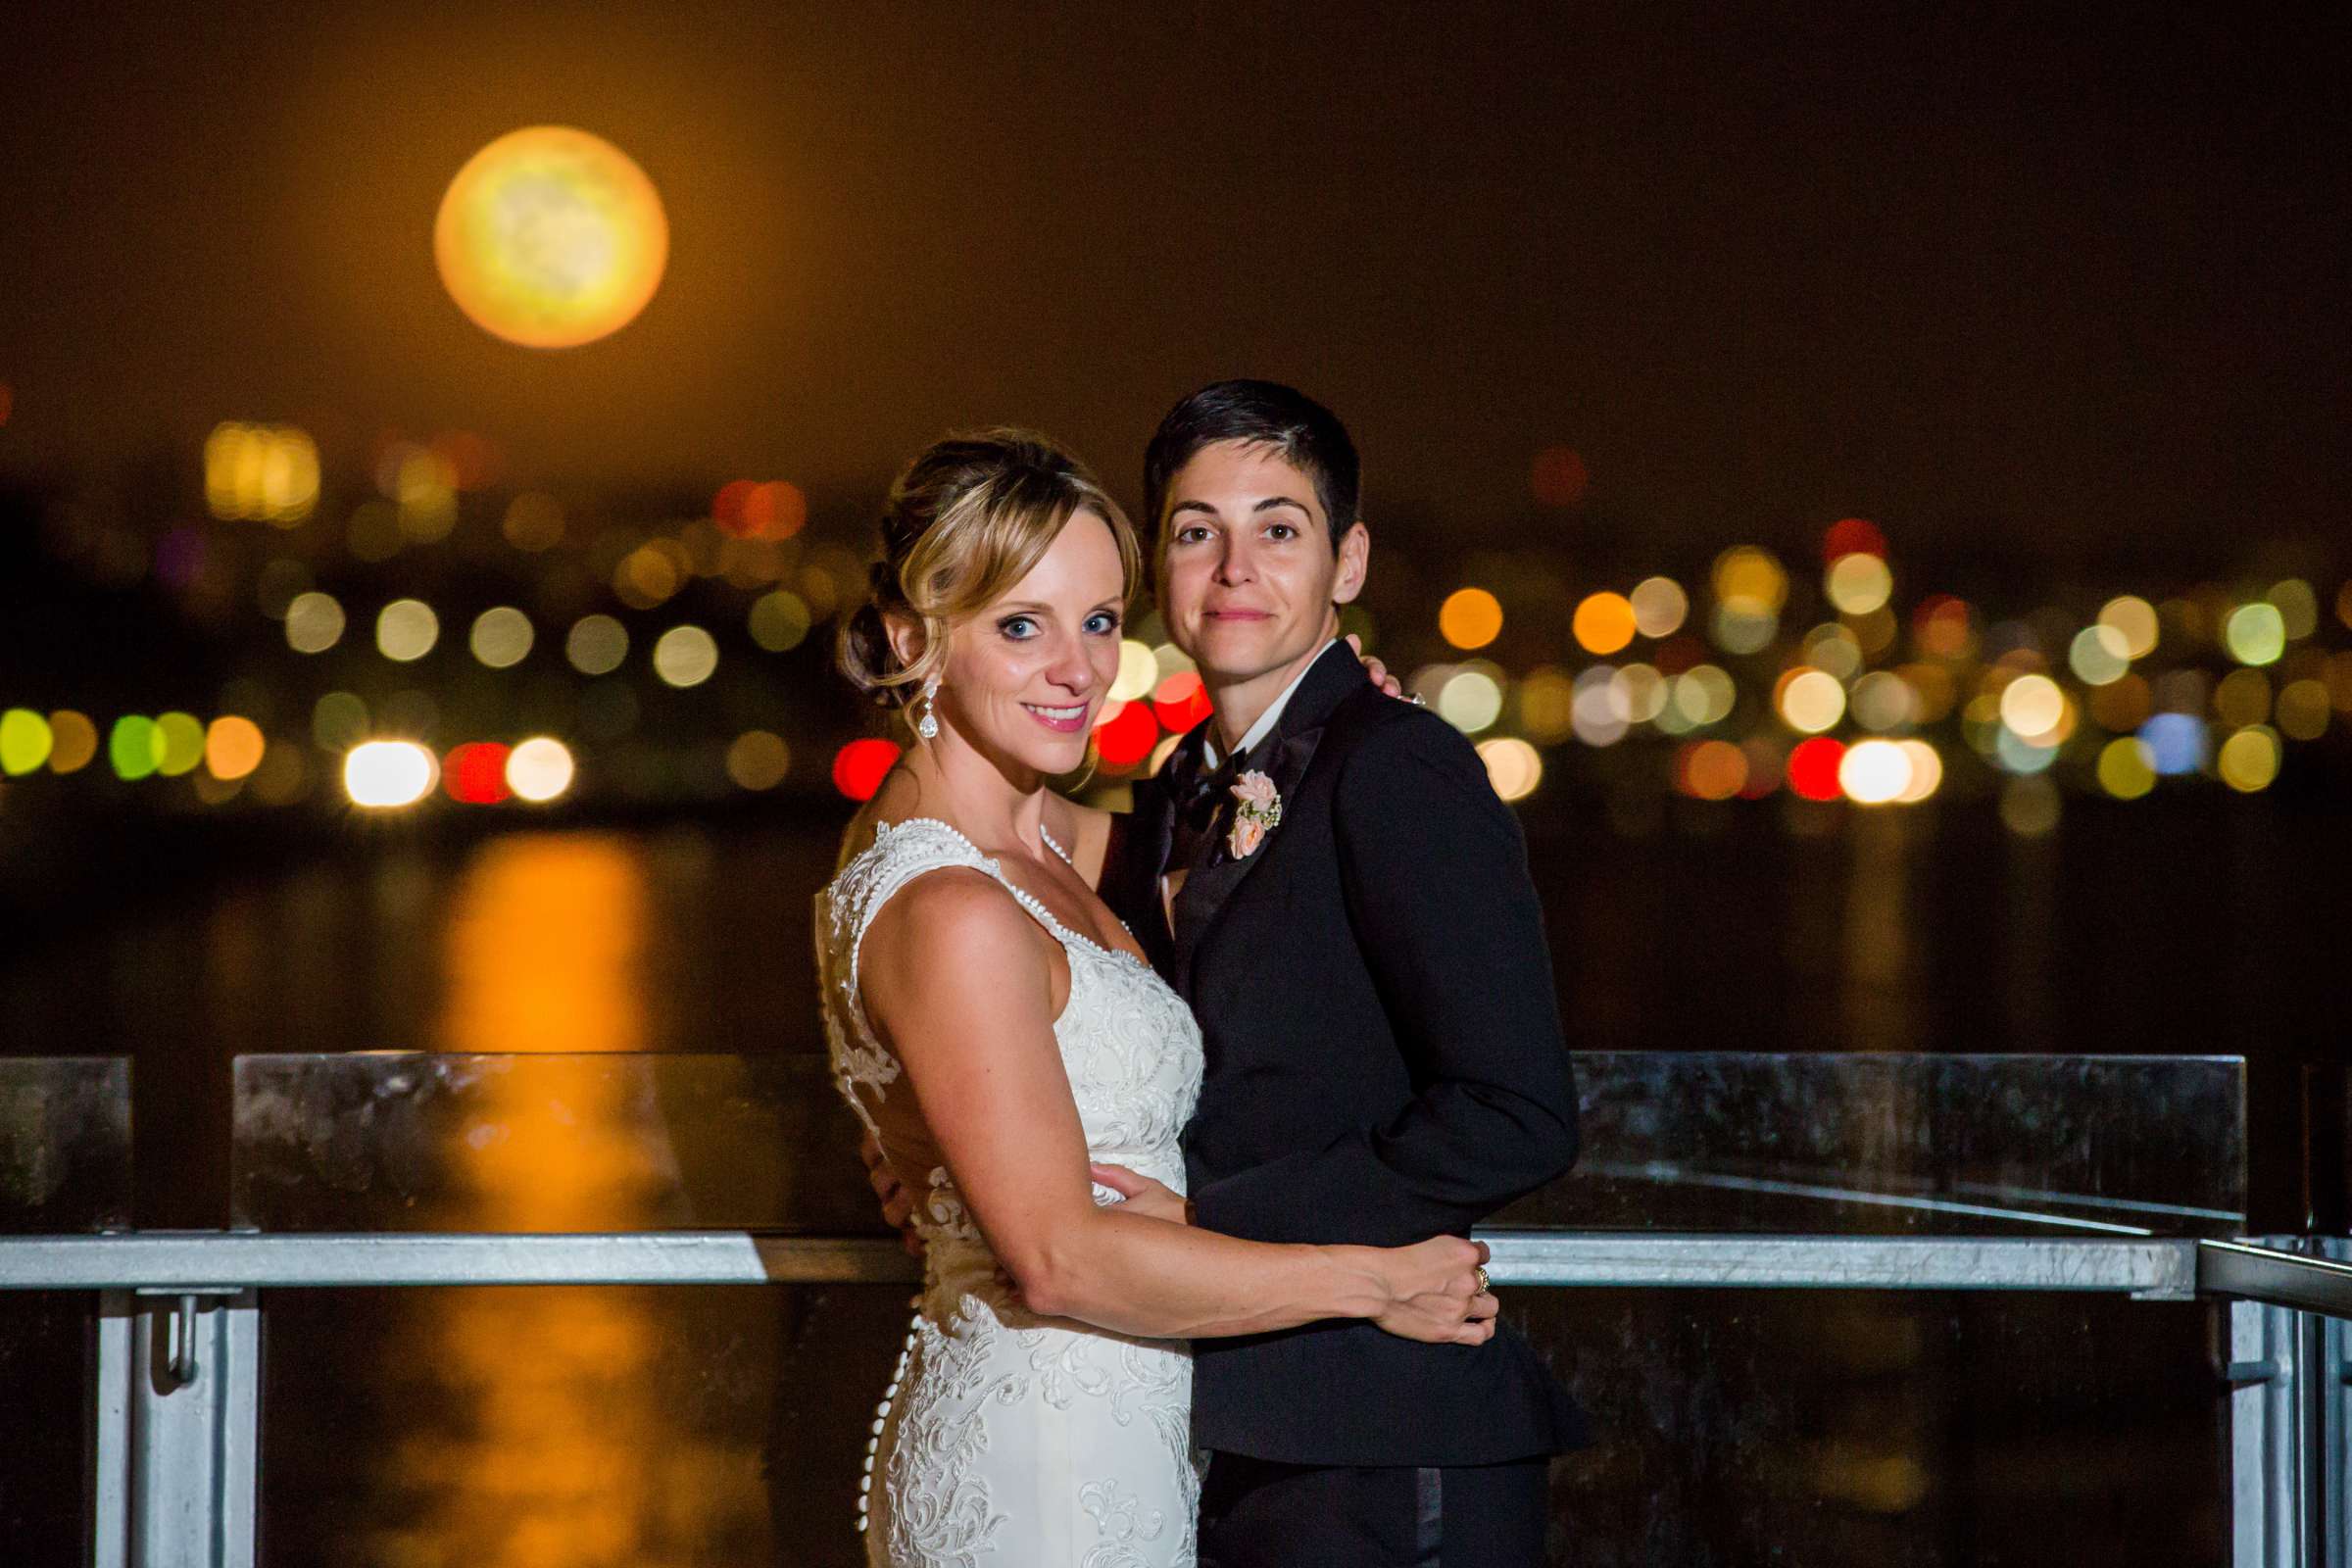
(926, 722)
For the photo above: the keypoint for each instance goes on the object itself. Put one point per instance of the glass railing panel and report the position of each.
(703, 1425)
(1869, 1144)
(544, 1143)
(64, 1168)
(65, 1144)
(1836, 1143)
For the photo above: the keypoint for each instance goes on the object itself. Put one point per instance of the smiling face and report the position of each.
(1248, 579)
(1026, 675)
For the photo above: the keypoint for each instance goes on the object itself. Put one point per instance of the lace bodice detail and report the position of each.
(1125, 1034)
(1004, 1438)
(1128, 1041)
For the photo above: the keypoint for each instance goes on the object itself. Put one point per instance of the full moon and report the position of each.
(550, 238)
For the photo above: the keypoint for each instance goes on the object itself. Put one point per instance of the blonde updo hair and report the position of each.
(967, 519)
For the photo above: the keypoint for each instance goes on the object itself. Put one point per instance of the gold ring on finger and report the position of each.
(1484, 1284)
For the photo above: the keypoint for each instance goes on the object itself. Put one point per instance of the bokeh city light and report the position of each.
(859, 768)
(385, 775)
(539, 769)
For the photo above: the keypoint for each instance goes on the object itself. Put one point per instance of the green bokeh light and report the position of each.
(132, 746)
(2256, 634)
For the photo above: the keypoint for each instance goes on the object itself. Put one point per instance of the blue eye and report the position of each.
(1017, 627)
(1102, 624)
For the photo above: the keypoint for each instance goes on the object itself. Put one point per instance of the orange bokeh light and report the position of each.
(1470, 617)
(1605, 622)
(233, 746)
(748, 510)
(1711, 770)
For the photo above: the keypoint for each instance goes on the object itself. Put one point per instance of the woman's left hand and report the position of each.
(1377, 671)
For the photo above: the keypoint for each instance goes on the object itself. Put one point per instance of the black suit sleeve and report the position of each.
(1436, 884)
(1131, 867)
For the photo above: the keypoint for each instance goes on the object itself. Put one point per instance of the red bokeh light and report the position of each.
(859, 768)
(8, 402)
(727, 507)
(748, 510)
(1853, 536)
(1559, 477)
(476, 773)
(1180, 701)
(1127, 737)
(776, 509)
(1813, 768)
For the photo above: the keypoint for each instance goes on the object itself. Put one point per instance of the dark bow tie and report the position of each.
(1200, 796)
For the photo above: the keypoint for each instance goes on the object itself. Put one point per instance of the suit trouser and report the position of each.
(1255, 1513)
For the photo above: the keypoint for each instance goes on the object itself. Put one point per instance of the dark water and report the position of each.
(569, 1427)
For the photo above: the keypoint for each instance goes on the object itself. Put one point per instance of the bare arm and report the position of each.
(964, 987)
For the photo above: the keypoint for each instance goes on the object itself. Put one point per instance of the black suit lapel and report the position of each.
(1150, 832)
(1210, 886)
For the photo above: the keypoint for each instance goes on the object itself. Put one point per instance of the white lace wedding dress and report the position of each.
(1005, 1438)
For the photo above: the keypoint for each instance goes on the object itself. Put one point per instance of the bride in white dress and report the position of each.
(996, 1029)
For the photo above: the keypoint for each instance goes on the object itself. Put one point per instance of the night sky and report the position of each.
(2034, 283)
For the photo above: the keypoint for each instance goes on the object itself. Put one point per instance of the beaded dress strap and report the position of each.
(1022, 896)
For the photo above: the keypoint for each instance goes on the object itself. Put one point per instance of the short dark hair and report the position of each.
(1261, 413)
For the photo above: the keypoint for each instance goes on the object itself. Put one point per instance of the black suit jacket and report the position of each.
(1384, 1063)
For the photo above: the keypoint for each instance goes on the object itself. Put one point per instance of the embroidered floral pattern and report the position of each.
(1123, 1522)
(990, 1392)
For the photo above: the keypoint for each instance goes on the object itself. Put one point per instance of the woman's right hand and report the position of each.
(1433, 1291)
(897, 1203)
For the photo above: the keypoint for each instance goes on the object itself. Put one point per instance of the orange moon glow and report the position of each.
(550, 238)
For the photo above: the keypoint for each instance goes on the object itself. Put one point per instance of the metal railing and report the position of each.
(177, 1400)
(1721, 1171)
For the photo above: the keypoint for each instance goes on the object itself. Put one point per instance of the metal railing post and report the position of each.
(2290, 1428)
(178, 1427)
(2335, 1400)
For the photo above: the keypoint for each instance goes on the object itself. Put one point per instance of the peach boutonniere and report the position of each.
(1257, 812)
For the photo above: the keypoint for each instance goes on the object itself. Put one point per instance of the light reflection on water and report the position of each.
(545, 1443)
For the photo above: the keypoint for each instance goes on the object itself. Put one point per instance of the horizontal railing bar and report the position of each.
(286, 1261)
(246, 1261)
(2154, 1268)
(2265, 1274)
